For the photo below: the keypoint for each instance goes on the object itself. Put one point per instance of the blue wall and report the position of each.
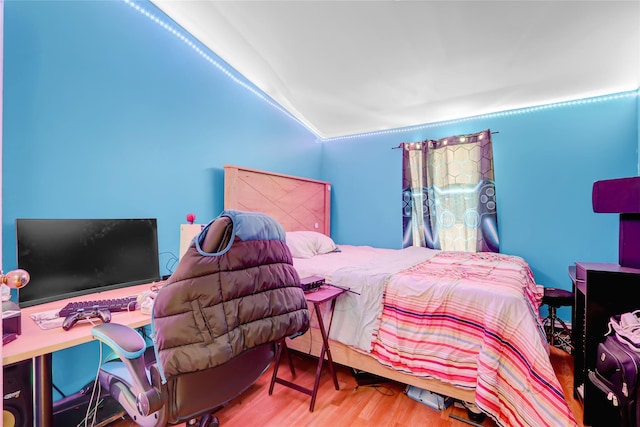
(545, 161)
(106, 114)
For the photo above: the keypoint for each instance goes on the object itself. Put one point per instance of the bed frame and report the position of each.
(298, 204)
(304, 204)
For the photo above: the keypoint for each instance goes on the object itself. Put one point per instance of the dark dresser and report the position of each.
(601, 291)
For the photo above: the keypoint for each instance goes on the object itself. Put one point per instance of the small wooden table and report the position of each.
(323, 294)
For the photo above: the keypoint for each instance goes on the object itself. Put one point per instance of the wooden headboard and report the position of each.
(298, 204)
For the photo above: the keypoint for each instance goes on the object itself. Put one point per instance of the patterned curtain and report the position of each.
(448, 194)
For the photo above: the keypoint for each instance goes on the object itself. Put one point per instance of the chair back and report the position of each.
(215, 322)
(191, 395)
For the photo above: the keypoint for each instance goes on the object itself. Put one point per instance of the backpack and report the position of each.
(617, 369)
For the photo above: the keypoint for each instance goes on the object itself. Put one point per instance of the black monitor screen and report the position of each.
(71, 257)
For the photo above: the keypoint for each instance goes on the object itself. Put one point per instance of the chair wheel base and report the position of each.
(207, 420)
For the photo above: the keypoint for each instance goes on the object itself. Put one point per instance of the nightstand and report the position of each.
(325, 293)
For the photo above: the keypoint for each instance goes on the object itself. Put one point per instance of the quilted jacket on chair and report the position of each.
(217, 305)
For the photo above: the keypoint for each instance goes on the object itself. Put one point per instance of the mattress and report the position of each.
(468, 319)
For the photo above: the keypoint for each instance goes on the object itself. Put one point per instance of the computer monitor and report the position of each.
(72, 257)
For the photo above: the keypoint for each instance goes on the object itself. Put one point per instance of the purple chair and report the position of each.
(151, 396)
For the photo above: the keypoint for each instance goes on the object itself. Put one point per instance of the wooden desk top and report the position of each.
(35, 341)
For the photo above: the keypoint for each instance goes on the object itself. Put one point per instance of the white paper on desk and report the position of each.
(48, 319)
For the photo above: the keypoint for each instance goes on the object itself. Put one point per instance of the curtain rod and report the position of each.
(468, 134)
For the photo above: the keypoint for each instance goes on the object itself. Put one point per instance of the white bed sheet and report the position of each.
(365, 271)
(325, 265)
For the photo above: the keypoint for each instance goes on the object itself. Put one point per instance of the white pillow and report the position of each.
(306, 244)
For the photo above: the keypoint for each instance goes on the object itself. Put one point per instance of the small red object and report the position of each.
(191, 217)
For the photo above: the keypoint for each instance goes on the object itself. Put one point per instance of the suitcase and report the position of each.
(616, 375)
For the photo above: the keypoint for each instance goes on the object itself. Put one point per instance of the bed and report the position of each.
(465, 325)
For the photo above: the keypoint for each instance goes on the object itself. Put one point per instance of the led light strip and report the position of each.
(262, 96)
(215, 63)
(602, 98)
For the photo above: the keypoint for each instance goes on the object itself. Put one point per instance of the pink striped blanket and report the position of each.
(471, 319)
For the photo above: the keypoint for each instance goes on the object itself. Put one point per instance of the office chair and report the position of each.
(215, 325)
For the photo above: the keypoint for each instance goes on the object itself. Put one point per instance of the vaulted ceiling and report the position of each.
(350, 67)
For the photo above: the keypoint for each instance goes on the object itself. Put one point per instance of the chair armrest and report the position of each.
(125, 341)
(130, 348)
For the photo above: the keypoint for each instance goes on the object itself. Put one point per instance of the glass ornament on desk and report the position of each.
(15, 278)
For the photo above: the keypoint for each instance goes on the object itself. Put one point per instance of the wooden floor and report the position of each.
(382, 405)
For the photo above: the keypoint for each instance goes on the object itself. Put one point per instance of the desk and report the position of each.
(324, 294)
(38, 344)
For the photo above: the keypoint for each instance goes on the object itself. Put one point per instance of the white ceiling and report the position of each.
(350, 67)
